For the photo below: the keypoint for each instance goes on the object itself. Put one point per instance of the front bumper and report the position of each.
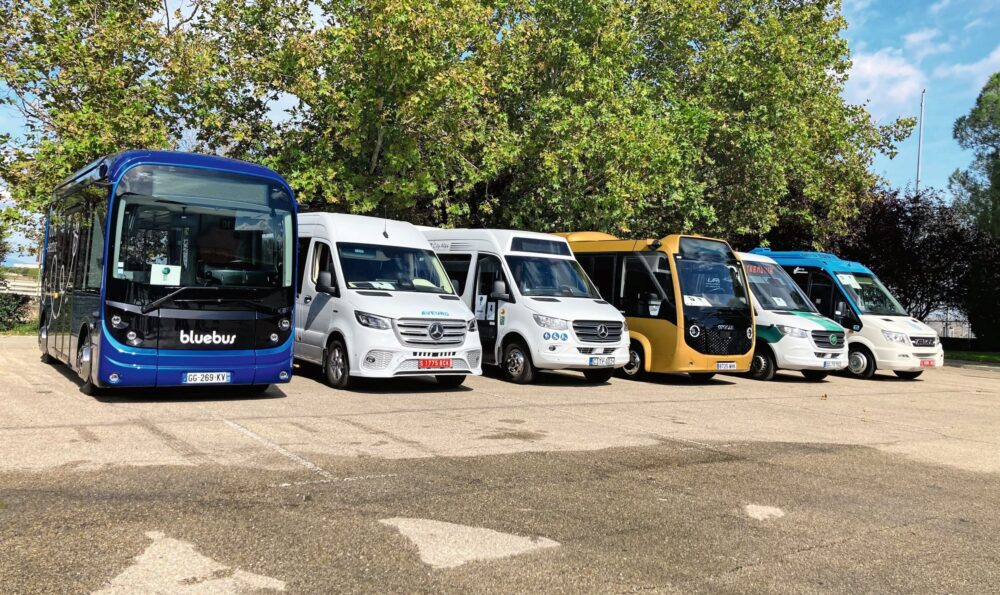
(570, 354)
(908, 359)
(121, 365)
(801, 354)
(382, 356)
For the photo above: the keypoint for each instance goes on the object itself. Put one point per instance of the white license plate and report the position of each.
(207, 378)
(602, 361)
(725, 366)
(829, 364)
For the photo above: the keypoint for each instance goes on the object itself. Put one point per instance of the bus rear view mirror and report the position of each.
(324, 283)
(499, 291)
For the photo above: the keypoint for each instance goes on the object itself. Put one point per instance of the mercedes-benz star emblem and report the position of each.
(436, 331)
(602, 331)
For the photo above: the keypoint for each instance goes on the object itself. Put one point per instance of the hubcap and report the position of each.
(515, 362)
(337, 364)
(857, 362)
(758, 365)
(632, 367)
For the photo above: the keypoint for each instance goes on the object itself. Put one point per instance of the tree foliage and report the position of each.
(918, 244)
(636, 118)
(977, 189)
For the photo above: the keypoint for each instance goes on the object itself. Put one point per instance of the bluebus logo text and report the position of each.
(189, 338)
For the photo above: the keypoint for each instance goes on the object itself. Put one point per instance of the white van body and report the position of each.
(795, 333)
(391, 321)
(581, 330)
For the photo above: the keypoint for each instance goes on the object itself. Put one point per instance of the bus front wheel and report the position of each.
(762, 366)
(84, 367)
(635, 369)
(337, 366)
(861, 363)
(517, 365)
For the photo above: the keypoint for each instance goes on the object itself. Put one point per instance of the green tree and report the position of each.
(977, 189)
(89, 78)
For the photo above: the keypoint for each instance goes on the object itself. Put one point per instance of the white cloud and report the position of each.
(976, 72)
(939, 6)
(887, 81)
(923, 43)
(973, 24)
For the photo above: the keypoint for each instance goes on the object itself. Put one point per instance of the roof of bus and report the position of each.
(115, 165)
(755, 257)
(501, 239)
(824, 260)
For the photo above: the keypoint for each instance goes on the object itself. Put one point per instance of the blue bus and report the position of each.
(168, 269)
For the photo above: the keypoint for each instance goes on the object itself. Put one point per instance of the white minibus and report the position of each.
(535, 306)
(374, 301)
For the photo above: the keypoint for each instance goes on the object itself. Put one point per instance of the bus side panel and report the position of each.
(662, 336)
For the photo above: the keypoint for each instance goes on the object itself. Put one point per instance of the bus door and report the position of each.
(826, 295)
(490, 307)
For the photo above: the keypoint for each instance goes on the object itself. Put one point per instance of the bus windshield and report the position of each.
(774, 289)
(392, 268)
(870, 295)
(709, 275)
(537, 276)
(177, 227)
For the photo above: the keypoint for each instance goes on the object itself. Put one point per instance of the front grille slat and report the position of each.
(923, 341)
(822, 339)
(416, 333)
(588, 331)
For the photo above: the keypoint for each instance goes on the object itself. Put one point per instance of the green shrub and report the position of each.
(13, 310)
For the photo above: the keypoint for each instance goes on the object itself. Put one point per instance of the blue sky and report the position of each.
(898, 47)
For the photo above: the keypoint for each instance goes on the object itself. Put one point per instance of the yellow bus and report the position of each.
(685, 299)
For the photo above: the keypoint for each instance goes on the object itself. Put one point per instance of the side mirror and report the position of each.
(324, 283)
(840, 309)
(499, 291)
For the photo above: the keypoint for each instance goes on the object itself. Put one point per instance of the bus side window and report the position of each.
(821, 293)
(95, 256)
(601, 270)
(302, 262)
(457, 267)
(322, 261)
(640, 296)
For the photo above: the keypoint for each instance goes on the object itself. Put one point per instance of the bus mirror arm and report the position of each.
(324, 283)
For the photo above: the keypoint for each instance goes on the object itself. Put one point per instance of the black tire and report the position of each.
(860, 362)
(599, 375)
(815, 375)
(635, 369)
(255, 389)
(702, 376)
(88, 387)
(336, 365)
(516, 365)
(450, 381)
(762, 366)
(908, 375)
(46, 358)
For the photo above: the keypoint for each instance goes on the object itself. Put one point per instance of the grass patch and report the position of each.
(22, 271)
(991, 357)
(29, 328)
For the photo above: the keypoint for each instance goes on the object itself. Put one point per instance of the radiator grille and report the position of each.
(420, 332)
(597, 331)
(828, 339)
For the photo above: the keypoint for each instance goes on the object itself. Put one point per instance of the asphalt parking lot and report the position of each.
(662, 486)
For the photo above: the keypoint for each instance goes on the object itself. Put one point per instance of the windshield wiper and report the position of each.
(172, 295)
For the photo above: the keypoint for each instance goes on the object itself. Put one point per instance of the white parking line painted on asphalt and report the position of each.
(170, 566)
(279, 449)
(334, 480)
(763, 513)
(447, 545)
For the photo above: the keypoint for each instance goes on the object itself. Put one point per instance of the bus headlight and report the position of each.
(284, 324)
(372, 321)
(625, 328)
(792, 331)
(472, 326)
(274, 337)
(116, 321)
(894, 337)
(749, 332)
(556, 324)
(695, 331)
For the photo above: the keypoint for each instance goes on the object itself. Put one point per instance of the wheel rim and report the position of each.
(857, 363)
(515, 362)
(337, 363)
(758, 365)
(632, 367)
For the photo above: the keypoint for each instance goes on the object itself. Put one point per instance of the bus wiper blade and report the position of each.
(257, 306)
(170, 296)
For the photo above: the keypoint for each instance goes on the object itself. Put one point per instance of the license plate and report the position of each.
(926, 363)
(207, 378)
(829, 364)
(725, 366)
(602, 361)
(434, 364)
